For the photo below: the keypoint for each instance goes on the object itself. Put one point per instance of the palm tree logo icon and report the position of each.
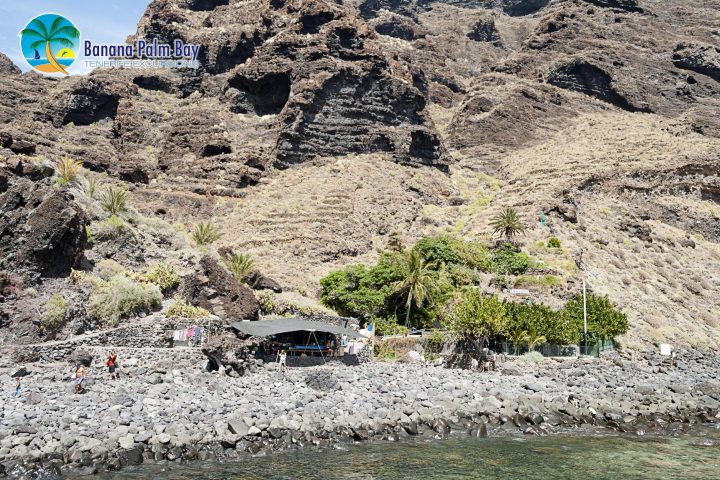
(56, 37)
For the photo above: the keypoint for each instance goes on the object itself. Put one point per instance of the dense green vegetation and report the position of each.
(434, 284)
(54, 313)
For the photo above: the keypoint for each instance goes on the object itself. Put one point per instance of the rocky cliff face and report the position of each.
(313, 129)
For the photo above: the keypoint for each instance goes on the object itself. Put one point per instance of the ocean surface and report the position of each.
(692, 456)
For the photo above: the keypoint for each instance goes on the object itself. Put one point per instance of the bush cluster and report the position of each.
(480, 318)
(370, 292)
(161, 274)
(54, 313)
(121, 296)
(182, 309)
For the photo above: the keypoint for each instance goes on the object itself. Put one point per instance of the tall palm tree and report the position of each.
(418, 284)
(57, 34)
(508, 223)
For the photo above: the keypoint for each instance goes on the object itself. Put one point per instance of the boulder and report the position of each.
(81, 357)
(215, 289)
(258, 281)
(43, 229)
(323, 381)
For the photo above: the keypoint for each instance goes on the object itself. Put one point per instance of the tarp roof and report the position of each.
(265, 328)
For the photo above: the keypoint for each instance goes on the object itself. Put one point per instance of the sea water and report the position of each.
(611, 457)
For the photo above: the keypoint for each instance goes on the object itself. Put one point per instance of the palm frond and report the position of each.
(30, 31)
(68, 31)
(62, 41)
(37, 23)
(56, 24)
(37, 44)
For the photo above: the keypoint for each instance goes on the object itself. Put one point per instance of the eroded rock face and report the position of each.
(484, 31)
(42, 229)
(216, 290)
(704, 59)
(7, 66)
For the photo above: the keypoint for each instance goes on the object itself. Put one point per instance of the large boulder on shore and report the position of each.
(215, 289)
(42, 228)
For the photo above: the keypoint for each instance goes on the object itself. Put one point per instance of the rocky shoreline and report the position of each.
(166, 407)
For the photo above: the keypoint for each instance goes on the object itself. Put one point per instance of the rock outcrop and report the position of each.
(215, 289)
(42, 229)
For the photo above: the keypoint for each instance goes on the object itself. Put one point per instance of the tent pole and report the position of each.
(312, 332)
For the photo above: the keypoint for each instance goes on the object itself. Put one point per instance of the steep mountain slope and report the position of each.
(314, 129)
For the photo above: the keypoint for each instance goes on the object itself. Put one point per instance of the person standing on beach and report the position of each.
(111, 363)
(80, 375)
(282, 360)
(17, 386)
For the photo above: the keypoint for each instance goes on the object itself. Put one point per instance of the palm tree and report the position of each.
(533, 338)
(508, 223)
(58, 34)
(517, 336)
(418, 284)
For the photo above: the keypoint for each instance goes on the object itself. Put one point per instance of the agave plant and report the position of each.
(88, 187)
(67, 170)
(206, 233)
(113, 200)
(241, 265)
(508, 223)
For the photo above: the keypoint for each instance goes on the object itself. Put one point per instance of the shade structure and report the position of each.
(265, 328)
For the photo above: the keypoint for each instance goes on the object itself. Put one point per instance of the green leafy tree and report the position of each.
(477, 318)
(604, 319)
(508, 224)
(418, 283)
(364, 292)
(57, 34)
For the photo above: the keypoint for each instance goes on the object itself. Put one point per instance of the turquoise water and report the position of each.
(64, 62)
(695, 456)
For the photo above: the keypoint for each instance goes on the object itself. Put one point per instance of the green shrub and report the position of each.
(206, 233)
(532, 357)
(162, 275)
(107, 268)
(113, 200)
(540, 320)
(54, 313)
(434, 342)
(384, 351)
(544, 281)
(389, 326)
(554, 242)
(604, 320)
(182, 309)
(88, 235)
(506, 261)
(450, 250)
(120, 297)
